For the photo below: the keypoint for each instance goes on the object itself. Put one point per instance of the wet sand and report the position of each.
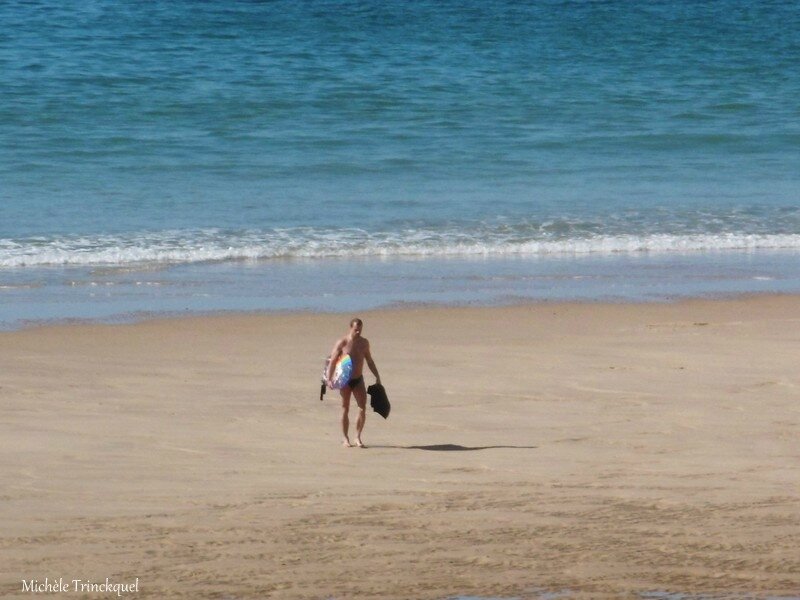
(609, 450)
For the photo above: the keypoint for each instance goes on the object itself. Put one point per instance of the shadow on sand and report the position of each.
(453, 447)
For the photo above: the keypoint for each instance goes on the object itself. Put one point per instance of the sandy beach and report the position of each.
(597, 450)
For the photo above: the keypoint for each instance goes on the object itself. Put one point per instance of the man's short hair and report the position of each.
(356, 321)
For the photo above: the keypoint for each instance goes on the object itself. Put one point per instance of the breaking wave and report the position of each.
(213, 245)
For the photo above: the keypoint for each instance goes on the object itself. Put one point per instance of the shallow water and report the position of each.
(350, 285)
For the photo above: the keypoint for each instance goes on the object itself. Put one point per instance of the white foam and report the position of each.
(212, 245)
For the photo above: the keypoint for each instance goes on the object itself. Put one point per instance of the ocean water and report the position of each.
(241, 155)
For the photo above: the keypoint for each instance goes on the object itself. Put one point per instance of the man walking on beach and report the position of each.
(358, 349)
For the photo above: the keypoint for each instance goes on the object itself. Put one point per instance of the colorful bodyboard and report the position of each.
(342, 372)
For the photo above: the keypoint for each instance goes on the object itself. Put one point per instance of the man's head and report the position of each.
(355, 327)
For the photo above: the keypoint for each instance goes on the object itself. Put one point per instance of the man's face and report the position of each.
(355, 329)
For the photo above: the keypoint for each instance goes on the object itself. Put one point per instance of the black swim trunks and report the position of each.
(355, 381)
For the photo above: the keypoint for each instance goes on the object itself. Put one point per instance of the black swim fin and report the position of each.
(324, 386)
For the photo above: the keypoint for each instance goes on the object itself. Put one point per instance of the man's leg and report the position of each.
(345, 392)
(360, 392)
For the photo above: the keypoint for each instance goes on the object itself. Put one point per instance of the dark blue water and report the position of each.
(162, 134)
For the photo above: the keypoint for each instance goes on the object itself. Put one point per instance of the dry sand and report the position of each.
(599, 450)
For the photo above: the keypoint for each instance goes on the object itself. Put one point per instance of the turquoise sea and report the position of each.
(202, 156)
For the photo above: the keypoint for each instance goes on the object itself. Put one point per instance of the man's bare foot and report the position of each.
(347, 444)
(360, 444)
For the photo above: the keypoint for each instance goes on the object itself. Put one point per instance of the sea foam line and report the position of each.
(211, 246)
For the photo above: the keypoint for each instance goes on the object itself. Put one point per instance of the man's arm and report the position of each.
(335, 353)
(371, 364)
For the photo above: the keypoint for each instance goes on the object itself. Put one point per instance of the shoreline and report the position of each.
(399, 306)
(606, 449)
(109, 295)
